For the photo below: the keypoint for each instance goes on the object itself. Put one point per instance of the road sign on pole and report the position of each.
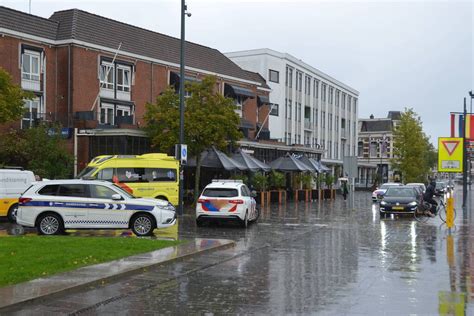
(184, 154)
(450, 154)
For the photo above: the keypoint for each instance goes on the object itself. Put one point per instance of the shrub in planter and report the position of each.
(296, 181)
(307, 181)
(242, 177)
(260, 182)
(329, 180)
(277, 180)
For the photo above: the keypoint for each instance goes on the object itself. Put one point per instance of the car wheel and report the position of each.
(383, 215)
(50, 224)
(257, 215)
(143, 225)
(12, 213)
(245, 222)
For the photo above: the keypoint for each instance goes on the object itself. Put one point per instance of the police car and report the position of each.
(54, 206)
(224, 200)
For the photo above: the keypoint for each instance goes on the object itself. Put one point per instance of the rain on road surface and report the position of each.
(310, 258)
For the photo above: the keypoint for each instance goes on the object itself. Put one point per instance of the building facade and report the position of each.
(94, 75)
(375, 149)
(308, 108)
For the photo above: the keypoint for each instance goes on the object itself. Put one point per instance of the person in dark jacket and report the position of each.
(428, 197)
(344, 188)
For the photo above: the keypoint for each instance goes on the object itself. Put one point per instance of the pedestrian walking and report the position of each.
(345, 190)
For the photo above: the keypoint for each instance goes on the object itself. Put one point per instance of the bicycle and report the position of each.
(421, 216)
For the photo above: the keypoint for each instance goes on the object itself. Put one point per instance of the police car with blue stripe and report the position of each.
(53, 206)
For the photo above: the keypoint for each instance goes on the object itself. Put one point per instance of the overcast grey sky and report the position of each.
(397, 54)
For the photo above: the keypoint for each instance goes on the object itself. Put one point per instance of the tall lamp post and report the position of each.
(181, 103)
(382, 143)
(471, 94)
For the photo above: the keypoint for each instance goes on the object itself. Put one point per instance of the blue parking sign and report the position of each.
(184, 154)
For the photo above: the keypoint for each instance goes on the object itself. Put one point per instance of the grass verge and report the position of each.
(30, 257)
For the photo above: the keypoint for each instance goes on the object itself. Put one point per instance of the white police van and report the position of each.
(227, 200)
(54, 206)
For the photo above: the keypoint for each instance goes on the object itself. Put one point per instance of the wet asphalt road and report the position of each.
(306, 258)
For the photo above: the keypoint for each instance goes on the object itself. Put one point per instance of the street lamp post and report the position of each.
(181, 103)
(382, 142)
(471, 94)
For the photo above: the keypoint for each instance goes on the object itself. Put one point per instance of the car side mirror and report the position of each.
(116, 197)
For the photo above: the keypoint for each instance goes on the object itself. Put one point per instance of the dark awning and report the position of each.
(233, 90)
(174, 79)
(252, 163)
(213, 158)
(322, 167)
(262, 99)
(310, 163)
(290, 163)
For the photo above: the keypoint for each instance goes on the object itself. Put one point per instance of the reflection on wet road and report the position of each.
(305, 258)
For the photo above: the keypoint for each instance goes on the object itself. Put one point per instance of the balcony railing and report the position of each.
(91, 119)
(307, 123)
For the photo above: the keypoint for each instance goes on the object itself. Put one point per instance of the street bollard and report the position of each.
(450, 212)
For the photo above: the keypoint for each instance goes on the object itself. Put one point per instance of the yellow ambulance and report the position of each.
(148, 175)
(13, 182)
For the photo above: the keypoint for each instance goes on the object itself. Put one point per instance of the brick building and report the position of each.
(375, 148)
(94, 75)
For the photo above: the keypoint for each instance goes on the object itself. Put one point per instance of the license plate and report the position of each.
(398, 208)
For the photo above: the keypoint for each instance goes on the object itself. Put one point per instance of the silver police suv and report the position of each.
(53, 206)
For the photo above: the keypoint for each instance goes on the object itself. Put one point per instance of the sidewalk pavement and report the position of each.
(38, 289)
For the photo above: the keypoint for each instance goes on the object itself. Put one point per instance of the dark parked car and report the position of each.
(400, 200)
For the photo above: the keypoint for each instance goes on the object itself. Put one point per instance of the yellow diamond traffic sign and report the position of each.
(450, 151)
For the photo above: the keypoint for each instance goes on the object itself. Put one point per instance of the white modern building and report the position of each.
(309, 107)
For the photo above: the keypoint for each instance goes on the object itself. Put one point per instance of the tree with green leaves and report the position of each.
(209, 120)
(39, 149)
(413, 153)
(12, 98)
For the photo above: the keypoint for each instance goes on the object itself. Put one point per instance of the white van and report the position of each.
(13, 182)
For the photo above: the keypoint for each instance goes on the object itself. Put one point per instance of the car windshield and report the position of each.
(400, 192)
(220, 192)
(440, 185)
(123, 192)
(86, 173)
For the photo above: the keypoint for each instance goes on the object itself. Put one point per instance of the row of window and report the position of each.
(111, 75)
(78, 190)
(132, 175)
(330, 93)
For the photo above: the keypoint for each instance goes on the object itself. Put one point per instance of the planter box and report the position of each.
(264, 197)
(315, 195)
(303, 195)
(278, 196)
(327, 194)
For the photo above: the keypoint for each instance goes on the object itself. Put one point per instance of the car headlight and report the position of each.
(168, 207)
(412, 204)
(383, 203)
